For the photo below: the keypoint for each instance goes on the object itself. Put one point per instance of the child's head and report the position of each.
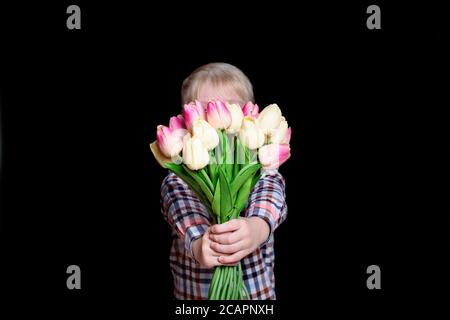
(220, 81)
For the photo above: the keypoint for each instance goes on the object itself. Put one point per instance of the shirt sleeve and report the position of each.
(183, 210)
(267, 200)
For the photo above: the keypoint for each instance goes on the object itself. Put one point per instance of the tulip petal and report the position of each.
(270, 118)
(218, 115)
(195, 155)
(206, 133)
(192, 112)
(236, 118)
(287, 138)
(159, 156)
(250, 134)
(273, 156)
(250, 109)
(177, 122)
(169, 141)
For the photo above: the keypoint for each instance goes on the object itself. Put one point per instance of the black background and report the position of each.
(80, 186)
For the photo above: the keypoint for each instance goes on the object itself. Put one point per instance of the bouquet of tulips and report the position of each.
(219, 153)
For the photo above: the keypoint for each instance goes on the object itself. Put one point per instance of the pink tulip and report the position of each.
(250, 109)
(178, 126)
(218, 115)
(287, 137)
(177, 122)
(273, 155)
(169, 141)
(192, 112)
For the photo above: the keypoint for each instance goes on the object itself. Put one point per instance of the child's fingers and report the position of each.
(211, 252)
(227, 248)
(229, 226)
(226, 238)
(227, 264)
(214, 253)
(232, 259)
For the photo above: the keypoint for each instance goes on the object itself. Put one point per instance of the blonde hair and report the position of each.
(217, 73)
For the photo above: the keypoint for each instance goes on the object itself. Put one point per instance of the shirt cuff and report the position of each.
(192, 234)
(266, 215)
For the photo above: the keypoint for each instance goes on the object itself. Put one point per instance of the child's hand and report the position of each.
(203, 253)
(237, 238)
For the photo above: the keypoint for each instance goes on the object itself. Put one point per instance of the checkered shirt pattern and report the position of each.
(189, 220)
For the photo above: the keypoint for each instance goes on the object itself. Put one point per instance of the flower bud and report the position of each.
(195, 155)
(206, 133)
(269, 118)
(273, 156)
(169, 141)
(236, 118)
(218, 115)
(192, 112)
(250, 109)
(250, 134)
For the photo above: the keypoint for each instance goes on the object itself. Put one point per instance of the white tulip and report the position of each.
(236, 117)
(195, 155)
(206, 133)
(278, 135)
(251, 134)
(269, 118)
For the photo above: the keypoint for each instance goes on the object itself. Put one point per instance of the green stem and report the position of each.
(236, 286)
(212, 285)
(231, 284)
(220, 282)
(216, 283)
(225, 283)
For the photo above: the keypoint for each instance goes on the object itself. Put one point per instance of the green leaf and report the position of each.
(216, 200)
(255, 179)
(206, 179)
(179, 170)
(244, 174)
(226, 204)
(242, 197)
(196, 176)
(233, 214)
(212, 167)
(215, 172)
(244, 194)
(230, 145)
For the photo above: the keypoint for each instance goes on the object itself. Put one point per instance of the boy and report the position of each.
(198, 246)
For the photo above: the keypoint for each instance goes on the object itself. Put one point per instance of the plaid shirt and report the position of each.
(189, 220)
